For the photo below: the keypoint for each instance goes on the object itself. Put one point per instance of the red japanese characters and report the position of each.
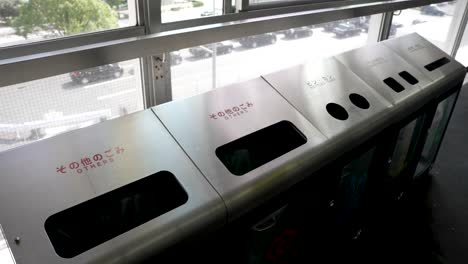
(91, 162)
(231, 112)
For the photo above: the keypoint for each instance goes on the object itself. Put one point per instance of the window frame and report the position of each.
(153, 38)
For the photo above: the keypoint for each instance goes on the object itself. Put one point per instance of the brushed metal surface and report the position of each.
(420, 52)
(199, 135)
(31, 189)
(375, 63)
(311, 86)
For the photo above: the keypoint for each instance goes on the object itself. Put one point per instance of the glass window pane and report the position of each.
(42, 108)
(200, 69)
(433, 22)
(24, 21)
(435, 133)
(462, 52)
(176, 10)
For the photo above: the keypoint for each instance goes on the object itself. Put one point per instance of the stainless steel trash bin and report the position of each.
(447, 76)
(116, 192)
(401, 83)
(342, 106)
(386, 72)
(246, 139)
(349, 113)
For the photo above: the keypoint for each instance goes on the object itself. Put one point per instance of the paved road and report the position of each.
(195, 76)
(57, 98)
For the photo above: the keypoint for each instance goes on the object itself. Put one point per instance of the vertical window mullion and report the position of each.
(457, 27)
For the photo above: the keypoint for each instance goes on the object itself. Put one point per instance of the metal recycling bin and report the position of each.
(247, 140)
(386, 72)
(447, 76)
(331, 97)
(348, 112)
(116, 192)
(401, 83)
(425, 56)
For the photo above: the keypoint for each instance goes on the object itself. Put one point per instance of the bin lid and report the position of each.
(246, 139)
(329, 95)
(385, 71)
(424, 55)
(83, 197)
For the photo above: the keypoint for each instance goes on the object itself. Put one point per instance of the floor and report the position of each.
(431, 225)
(448, 196)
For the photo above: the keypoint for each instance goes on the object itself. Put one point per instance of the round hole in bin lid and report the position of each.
(359, 101)
(337, 111)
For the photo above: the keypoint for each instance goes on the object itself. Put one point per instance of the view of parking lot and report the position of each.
(242, 59)
(176, 10)
(43, 108)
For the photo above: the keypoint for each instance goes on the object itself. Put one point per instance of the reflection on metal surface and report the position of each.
(5, 254)
(312, 87)
(379, 66)
(420, 53)
(203, 123)
(80, 165)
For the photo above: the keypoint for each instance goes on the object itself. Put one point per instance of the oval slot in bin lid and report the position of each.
(246, 139)
(330, 96)
(106, 165)
(424, 55)
(385, 71)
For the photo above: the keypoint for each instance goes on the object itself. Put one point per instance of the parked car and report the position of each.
(360, 22)
(258, 40)
(300, 32)
(97, 73)
(364, 27)
(207, 50)
(346, 30)
(418, 21)
(176, 58)
(328, 27)
(397, 25)
(432, 10)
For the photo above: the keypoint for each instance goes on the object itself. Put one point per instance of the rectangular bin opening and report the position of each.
(437, 64)
(408, 77)
(86, 225)
(252, 151)
(392, 83)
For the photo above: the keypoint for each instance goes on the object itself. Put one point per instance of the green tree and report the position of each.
(8, 9)
(64, 17)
